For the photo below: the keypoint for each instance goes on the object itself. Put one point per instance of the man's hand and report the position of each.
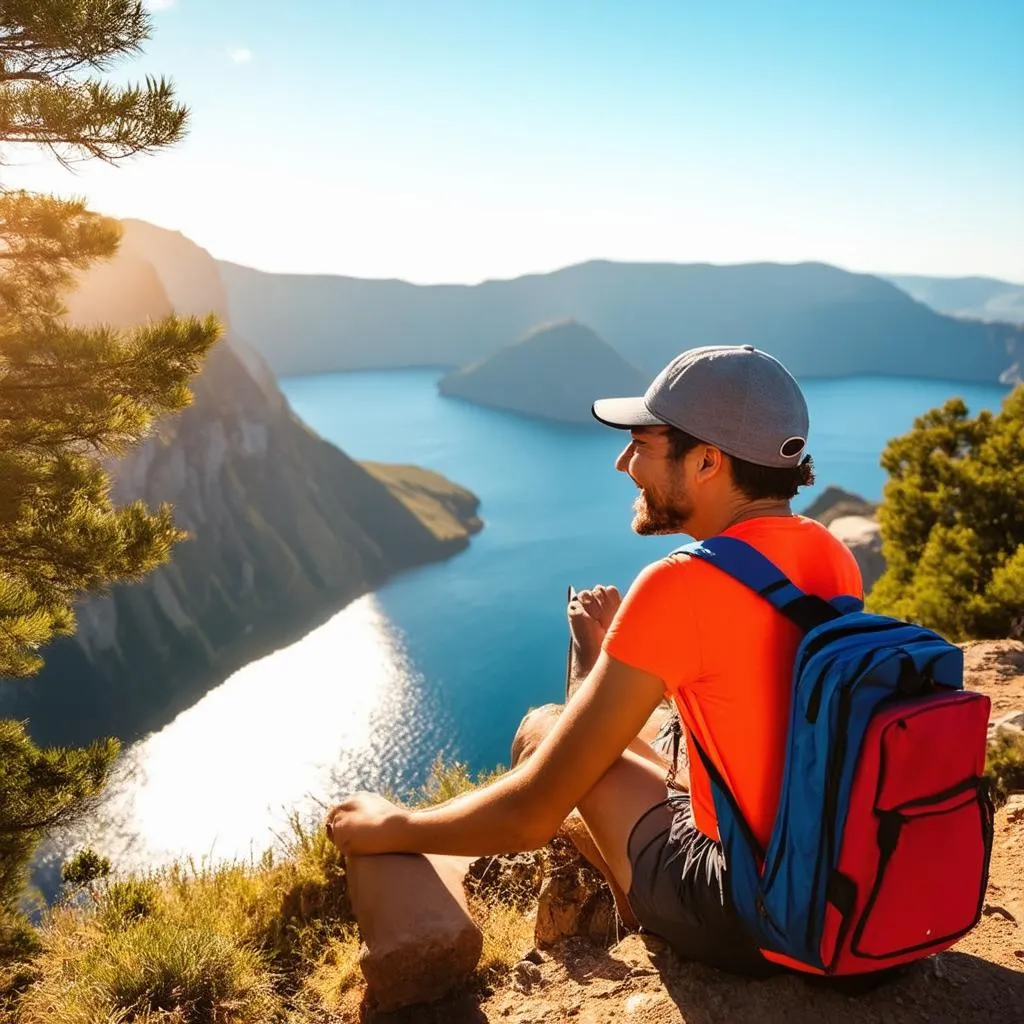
(364, 823)
(590, 615)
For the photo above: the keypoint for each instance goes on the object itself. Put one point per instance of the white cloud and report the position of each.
(240, 55)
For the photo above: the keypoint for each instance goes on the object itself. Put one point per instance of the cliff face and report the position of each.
(555, 372)
(285, 528)
(820, 320)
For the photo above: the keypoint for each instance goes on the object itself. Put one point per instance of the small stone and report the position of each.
(642, 1001)
(1015, 808)
(525, 975)
(991, 909)
(641, 972)
(535, 956)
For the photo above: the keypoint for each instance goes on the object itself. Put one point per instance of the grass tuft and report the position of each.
(151, 971)
(447, 780)
(508, 937)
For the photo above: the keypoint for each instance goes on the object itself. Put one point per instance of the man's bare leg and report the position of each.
(601, 826)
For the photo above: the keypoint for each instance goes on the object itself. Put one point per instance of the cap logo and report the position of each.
(792, 447)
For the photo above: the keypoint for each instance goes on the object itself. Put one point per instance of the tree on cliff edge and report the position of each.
(70, 398)
(952, 526)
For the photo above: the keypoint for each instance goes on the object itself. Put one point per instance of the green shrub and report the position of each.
(952, 532)
(126, 901)
(83, 869)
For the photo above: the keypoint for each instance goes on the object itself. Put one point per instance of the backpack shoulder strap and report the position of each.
(748, 566)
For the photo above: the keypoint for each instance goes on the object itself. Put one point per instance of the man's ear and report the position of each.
(711, 461)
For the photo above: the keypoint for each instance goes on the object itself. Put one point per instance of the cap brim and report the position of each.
(624, 413)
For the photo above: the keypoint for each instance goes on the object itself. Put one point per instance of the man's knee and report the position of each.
(537, 723)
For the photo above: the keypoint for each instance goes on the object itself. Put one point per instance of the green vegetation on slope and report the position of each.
(447, 510)
(952, 528)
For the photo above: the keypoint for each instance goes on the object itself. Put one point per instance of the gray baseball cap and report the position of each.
(734, 397)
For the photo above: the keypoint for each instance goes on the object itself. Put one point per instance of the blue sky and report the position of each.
(442, 140)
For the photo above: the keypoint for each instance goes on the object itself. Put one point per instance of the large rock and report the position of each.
(575, 900)
(996, 668)
(863, 537)
(419, 940)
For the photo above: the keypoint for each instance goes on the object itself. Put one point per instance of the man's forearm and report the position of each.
(496, 819)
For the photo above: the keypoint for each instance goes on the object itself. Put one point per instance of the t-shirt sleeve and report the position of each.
(654, 629)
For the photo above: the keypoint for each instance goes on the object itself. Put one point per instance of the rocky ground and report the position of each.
(639, 980)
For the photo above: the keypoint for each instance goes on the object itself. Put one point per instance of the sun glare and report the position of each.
(206, 785)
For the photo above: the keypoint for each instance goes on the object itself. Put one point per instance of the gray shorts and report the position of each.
(679, 891)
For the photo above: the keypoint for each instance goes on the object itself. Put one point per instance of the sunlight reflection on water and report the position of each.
(220, 780)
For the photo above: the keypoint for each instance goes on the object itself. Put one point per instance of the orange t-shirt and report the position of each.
(726, 656)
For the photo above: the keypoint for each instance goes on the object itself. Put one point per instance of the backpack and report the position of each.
(879, 853)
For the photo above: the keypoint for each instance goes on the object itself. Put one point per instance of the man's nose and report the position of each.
(622, 462)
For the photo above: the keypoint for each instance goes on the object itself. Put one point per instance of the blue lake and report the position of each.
(447, 658)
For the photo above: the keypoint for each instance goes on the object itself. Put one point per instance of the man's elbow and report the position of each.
(536, 821)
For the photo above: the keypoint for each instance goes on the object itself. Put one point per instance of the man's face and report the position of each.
(663, 505)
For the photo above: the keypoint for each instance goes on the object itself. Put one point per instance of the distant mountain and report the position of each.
(821, 321)
(285, 528)
(556, 371)
(979, 298)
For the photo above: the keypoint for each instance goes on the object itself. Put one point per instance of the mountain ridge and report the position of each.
(820, 320)
(979, 298)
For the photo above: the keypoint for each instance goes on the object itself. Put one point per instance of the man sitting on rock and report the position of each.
(716, 447)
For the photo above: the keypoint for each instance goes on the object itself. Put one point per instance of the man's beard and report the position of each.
(656, 515)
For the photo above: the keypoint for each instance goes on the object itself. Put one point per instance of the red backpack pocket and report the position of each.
(917, 839)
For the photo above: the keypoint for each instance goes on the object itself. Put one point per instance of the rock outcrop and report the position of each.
(834, 502)
(851, 519)
(555, 372)
(863, 537)
(285, 528)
